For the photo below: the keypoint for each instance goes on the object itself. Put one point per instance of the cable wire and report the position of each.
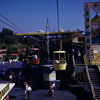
(12, 23)
(9, 25)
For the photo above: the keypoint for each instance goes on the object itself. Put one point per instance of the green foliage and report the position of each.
(21, 46)
(12, 49)
(10, 39)
(6, 58)
(2, 46)
(12, 57)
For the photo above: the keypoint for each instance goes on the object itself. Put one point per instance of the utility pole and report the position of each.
(58, 24)
(58, 15)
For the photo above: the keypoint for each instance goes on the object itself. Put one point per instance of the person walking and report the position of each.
(28, 89)
(53, 85)
(52, 90)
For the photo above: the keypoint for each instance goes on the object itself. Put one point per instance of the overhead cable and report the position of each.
(12, 23)
(9, 25)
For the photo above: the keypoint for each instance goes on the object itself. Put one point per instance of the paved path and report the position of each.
(41, 94)
(71, 93)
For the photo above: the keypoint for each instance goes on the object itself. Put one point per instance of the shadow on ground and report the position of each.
(80, 92)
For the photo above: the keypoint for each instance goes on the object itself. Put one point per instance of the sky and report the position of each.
(31, 15)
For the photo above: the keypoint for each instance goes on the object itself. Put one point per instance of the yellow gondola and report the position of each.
(59, 60)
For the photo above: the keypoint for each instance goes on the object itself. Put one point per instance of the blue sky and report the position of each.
(31, 15)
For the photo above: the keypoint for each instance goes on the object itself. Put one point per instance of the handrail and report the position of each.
(97, 57)
(77, 64)
(90, 81)
(96, 60)
(73, 60)
(80, 64)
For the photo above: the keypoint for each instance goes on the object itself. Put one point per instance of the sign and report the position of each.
(5, 88)
(95, 6)
(87, 32)
(4, 91)
(50, 76)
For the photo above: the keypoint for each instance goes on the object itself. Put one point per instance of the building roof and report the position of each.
(59, 51)
(50, 33)
(95, 19)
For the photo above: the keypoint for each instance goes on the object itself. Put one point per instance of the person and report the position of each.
(11, 77)
(57, 61)
(95, 98)
(62, 58)
(53, 85)
(6, 98)
(28, 89)
(3, 63)
(52, 91)
(35, 56)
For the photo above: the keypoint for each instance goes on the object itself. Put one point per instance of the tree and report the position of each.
(2, 46)
(10, 39)
(7, 32)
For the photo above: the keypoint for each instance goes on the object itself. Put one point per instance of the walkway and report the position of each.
(71, 93)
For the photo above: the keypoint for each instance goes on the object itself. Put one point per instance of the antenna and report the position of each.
(47, 30)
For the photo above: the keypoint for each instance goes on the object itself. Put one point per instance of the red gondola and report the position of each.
(34, 56)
